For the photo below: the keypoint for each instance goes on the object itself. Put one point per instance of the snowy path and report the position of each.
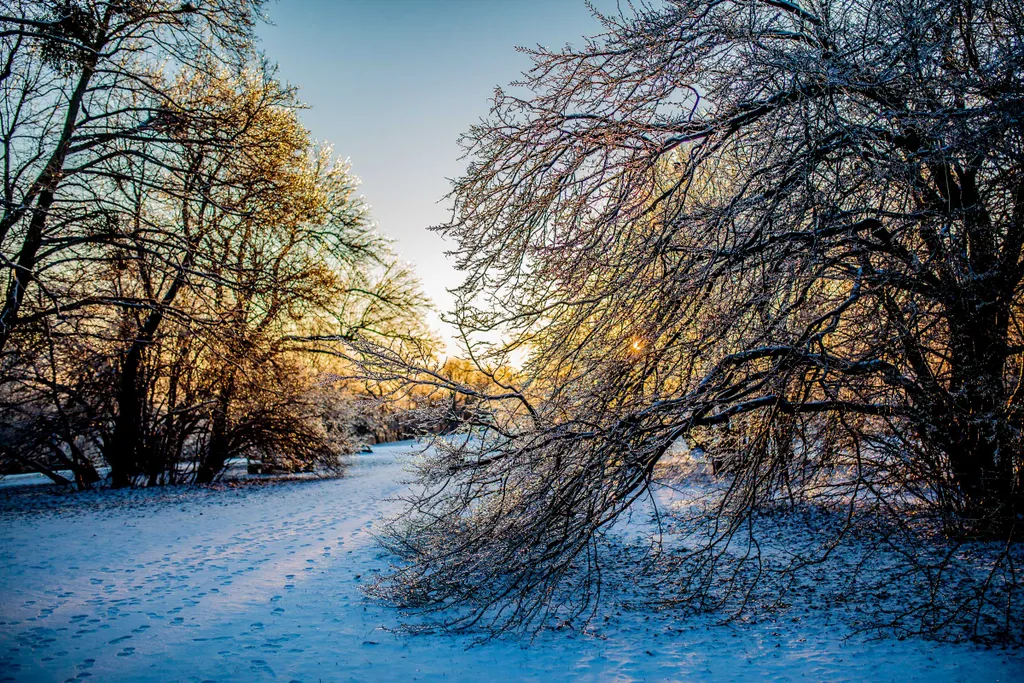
(263, 583)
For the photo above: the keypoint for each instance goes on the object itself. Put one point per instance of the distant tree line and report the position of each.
(170, 236)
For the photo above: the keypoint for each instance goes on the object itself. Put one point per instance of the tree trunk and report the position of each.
(218, 451)
(85, 472)
(36, 466)
(978, 439)
(123, 450)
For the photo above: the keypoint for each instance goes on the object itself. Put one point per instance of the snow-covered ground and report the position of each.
(262, 582)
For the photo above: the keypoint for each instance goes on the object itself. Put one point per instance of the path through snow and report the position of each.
(261, 583)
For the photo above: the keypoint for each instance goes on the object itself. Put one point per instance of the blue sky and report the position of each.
(393, 83)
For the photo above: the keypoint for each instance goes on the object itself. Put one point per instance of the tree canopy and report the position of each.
(170, 234)
(787, 232)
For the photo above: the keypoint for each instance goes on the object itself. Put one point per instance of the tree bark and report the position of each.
(979, 442)
(123, 450)
(218, 450)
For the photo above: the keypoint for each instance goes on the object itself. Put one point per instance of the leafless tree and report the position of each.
(790, 232)
(169, 231)
(86, 85)
(84, 82)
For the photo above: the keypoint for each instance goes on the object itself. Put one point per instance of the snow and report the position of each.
(261, 582)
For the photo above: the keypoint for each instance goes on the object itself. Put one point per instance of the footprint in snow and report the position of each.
(260, 666)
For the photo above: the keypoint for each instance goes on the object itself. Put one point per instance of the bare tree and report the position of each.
(790, 231)
(85, 81)
(259, 237)
(169, 230)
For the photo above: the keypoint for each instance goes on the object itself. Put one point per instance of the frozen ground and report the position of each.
(262, 582)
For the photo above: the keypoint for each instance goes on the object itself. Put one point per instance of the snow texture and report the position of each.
(261, 582)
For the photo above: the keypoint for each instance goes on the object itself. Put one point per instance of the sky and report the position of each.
(393, 83)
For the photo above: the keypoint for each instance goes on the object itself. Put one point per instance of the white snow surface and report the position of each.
(263, 583)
